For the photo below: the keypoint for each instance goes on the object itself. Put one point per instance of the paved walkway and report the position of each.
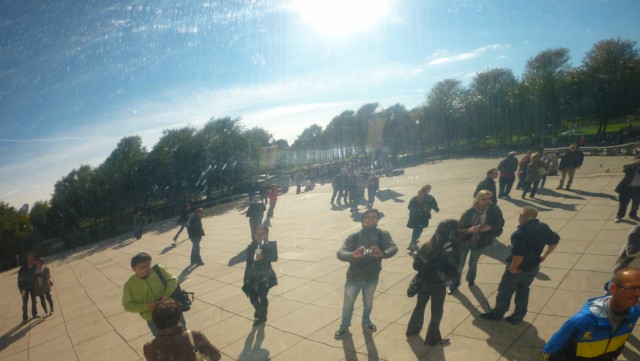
(90, 324)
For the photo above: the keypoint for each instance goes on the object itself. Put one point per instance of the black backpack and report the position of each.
(184, 298)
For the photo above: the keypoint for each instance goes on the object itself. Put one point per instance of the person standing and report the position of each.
(570, 162)
(139, 221)
(373, 185)
(43, 286)
(548, 161)
(527, 244)
(535, 171)
(522, 170)
(507, 168)
(255, 212)
(489, 184)
(196, 232)
(144, 289)
(364, 250)
(420, 208)
(480, 225)
(629, 190)
(436, 262)
(183, 219)
(599, 330)
(259, 276)
(273, 198)
(26, 284)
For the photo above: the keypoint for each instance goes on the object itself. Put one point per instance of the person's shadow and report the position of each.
(530, 343)
(372, 350)
(252, 350)
(186, 272)
(348, 347)
(17, 332)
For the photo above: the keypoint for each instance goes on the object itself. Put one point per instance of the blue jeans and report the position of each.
(518, 284)
(415, 235)
(351, 290)
(195, 250)
(473, 265)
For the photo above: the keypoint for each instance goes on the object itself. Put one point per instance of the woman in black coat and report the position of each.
(436, 263)
(259, 276)
(420, 208)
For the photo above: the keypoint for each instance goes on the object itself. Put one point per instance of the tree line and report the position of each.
(223, 157)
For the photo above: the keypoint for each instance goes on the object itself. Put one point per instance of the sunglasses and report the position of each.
(629, 289)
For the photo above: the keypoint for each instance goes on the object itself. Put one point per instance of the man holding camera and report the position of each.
(144, 289)
(364, 250)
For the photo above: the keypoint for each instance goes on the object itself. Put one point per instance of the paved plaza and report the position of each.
(89, 322)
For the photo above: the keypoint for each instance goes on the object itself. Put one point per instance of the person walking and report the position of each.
(139, 221)
(420, 208)
(43, 285)
(373, 184)
(507, 168)
(535, 171)
(522, 170)
(183, 219)
(480, 225)
(364, 251)
(259, 276)
(196, 232)
(255, 212)
(629, 190)
(570, 162)
(527, 244)
(26, 285)
(436, 263)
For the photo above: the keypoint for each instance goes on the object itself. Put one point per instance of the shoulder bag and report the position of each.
(184, 298)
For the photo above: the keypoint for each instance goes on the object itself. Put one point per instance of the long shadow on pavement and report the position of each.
(496, 340)
(252, 350)
(186, 272)
(17, 332)
(593, 194)
(372, 350)
(348, 347)
(520, 203)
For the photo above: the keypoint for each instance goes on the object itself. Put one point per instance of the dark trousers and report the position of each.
(260, 303)
(272, 205)
(505, 183)
(531, 186)
(632, 195)
(49, 300)
(514, 283)
(336, 193)
(437, 293)
(183, 225)
(415, 235)
(195, 250)
(371, 196)
(253, 224)
(25, 299)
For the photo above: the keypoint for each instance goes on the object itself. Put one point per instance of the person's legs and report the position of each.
(368, 291)
(506, 288)
(522, 294)
(351, 290)
(43, 304)
(182, 226)
(334, 194)
(525, 188)
(623, 201)
(534, 187)
(415, 235)
(572, 172)
(502, 183)
(510, 181)
(50, 300)
(437, 310)
(25, 301)
(543, 180)
(195, 250)
(563, 175)
(635, 201)
(417, 316)
(372, 197)
(473, 265)
(455, 283)
(34, 304)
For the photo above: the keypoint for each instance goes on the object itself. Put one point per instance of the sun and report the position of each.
(341, 17)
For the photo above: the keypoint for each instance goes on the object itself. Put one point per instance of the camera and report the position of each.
(367, 251)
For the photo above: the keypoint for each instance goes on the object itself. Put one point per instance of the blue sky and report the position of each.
(75, 79)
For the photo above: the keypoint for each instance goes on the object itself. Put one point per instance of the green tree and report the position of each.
(14, 229)
(445, 108)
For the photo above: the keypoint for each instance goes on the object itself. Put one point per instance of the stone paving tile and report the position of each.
(305, 308)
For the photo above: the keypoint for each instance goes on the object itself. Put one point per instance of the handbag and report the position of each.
(414, 285)
(184, 298)
(199, 355)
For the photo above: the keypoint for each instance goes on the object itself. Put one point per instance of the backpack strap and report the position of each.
(194, 348)
(156, 269)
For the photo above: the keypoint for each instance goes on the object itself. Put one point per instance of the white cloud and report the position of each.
(440, 56)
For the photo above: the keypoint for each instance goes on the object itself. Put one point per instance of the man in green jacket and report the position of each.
(144, 288)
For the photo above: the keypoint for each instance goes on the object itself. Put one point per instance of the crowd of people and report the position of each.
(438, 262)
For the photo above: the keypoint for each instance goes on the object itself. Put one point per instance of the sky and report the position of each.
(76, 77)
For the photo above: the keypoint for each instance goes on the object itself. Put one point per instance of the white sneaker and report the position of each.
(618, 220)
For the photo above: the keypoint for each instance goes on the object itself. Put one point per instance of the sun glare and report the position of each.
(340, 17)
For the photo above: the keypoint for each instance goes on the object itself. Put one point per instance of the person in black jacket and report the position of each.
(481, 224)
(527, 244)
(629, 190)
(420, 208)
(489, 184)
(26, 284)
(196, 232)
(436, 262)
(571, 160)
(255, 212)
(259, 276)
(507, 168)
(183, 219)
